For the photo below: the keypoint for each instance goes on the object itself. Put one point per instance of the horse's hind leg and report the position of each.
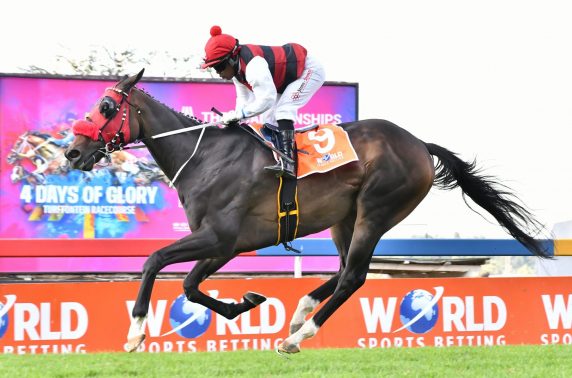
(351, 279)
(374, 218)
(309, 302)
(199, 273)
(341, 235)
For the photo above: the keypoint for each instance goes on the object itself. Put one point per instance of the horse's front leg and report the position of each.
(203, 244)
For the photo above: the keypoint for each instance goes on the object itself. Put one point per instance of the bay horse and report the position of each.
(230, 200)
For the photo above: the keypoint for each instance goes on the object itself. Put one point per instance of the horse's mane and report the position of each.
(187, 120)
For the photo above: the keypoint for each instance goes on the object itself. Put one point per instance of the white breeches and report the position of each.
(297, 94)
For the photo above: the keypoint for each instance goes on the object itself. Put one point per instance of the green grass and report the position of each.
(498, 361)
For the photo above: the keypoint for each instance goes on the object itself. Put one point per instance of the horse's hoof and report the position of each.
(134, 343)
(287, 348)
(254, 298)
(295, 327)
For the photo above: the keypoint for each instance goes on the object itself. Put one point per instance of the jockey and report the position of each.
(272, 81)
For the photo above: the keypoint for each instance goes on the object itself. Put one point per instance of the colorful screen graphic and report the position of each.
(127, 198)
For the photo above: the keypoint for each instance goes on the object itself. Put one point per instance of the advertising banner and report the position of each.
(127, 198)
(94, 317)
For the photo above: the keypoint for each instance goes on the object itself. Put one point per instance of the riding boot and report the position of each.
(286, 146)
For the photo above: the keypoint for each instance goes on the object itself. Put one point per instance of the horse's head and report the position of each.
(107, 127)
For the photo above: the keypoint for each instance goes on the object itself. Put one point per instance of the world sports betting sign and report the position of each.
(126, 198)
(93, 317)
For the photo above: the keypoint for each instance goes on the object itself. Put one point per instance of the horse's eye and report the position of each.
(107, 107)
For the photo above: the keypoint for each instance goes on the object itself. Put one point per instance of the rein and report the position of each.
(113, 144)
(169, 133)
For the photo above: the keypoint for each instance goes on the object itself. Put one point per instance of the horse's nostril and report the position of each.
(72, 154)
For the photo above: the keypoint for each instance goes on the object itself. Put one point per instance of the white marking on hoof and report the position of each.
(306, 305)
(292, 342)
(295, 327)
(134, 343)
(136, 334)
(284, 349)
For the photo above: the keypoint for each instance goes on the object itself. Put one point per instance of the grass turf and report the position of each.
(497, 361)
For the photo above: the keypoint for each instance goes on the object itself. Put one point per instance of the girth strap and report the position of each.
(288, 214)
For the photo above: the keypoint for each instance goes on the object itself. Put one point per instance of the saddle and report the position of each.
(270, 132)
(319, 149)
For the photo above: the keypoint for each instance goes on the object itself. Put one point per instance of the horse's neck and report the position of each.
(170, 152)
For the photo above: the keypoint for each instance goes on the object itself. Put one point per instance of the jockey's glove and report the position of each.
(232, 116)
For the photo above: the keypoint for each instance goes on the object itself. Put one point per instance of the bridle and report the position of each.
(114, 102)
(119, 140)
(103, 124)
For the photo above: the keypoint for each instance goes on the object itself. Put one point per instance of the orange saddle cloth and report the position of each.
(320, 149)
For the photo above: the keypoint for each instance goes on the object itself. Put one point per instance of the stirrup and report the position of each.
(277, 169)
(285, 143)
(281, 170)
(286, 173)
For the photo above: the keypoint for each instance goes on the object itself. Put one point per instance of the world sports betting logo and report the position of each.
(192, 327)
(432, 318)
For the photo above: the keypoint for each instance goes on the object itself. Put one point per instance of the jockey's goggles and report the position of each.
(220, 66)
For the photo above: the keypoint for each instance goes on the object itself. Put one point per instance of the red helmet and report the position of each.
(219, 46)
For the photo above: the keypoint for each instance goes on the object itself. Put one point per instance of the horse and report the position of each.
(230, 202)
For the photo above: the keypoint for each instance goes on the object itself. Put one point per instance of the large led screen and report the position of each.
(129, 198)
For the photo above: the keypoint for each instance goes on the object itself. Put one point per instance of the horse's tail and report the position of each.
(497, 199)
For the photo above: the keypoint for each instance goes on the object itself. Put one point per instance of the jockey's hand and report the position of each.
(231, 117)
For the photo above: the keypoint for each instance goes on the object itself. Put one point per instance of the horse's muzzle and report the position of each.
(74, 156)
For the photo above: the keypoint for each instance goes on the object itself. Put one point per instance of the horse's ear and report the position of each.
(140, 75)
(132, 80)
